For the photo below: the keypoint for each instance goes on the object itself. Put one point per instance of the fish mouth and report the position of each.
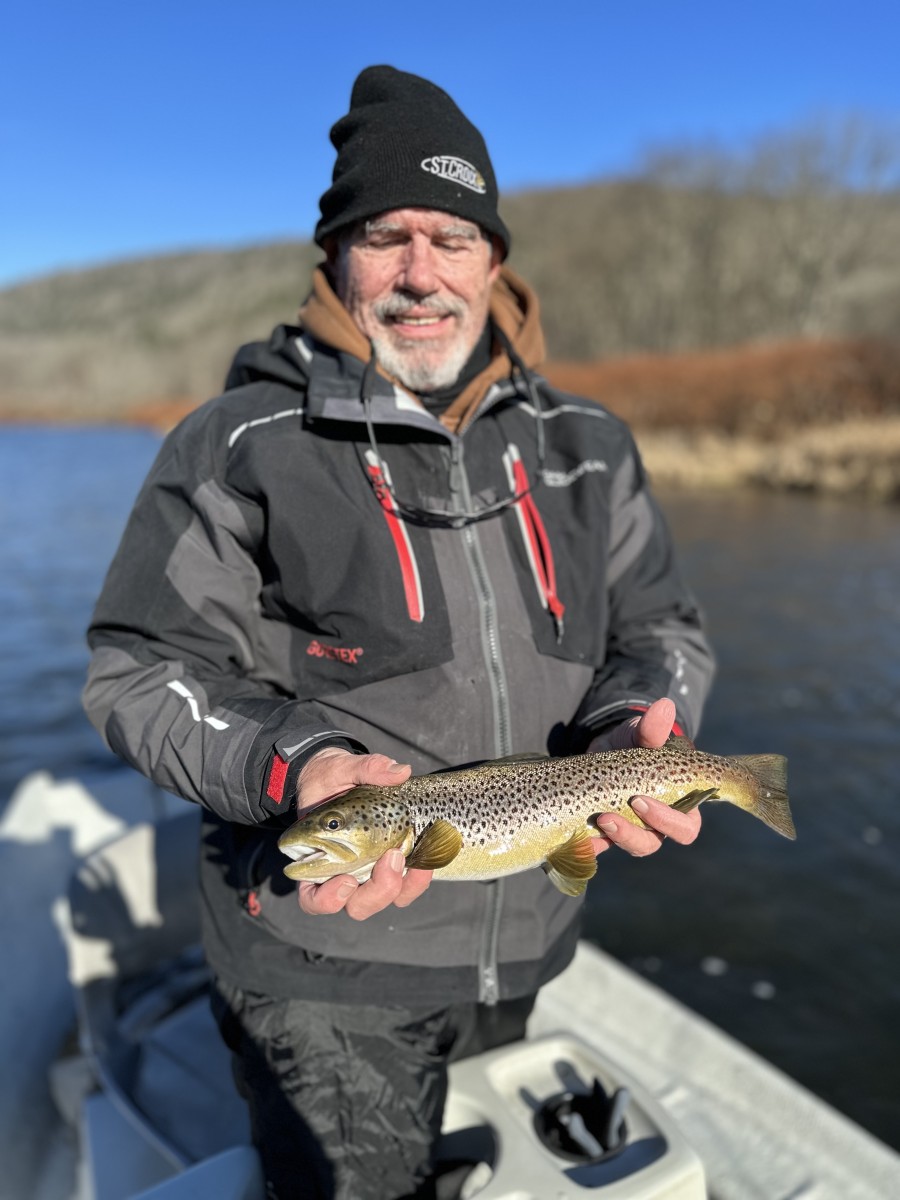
(312, 863)
(330, 850)
(303, 854)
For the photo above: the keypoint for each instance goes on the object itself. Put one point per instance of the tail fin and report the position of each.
(771, 803)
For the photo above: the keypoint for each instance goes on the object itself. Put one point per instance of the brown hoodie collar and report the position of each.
(513, 308)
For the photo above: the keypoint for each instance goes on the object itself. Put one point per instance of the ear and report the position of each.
(497, 256)
(331, 248)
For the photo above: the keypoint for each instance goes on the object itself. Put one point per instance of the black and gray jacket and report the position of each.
(268, 598)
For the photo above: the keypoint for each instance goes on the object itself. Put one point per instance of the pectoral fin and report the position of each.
(689, 802)
(571, 865)
(437, 846)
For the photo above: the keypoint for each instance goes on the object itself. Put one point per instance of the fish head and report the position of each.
(347, 835)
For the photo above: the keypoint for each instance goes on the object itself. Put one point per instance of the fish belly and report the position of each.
(491, 859)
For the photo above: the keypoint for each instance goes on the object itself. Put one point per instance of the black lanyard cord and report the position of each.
(441, 517)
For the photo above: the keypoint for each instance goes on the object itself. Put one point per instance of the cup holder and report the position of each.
(584, 1128)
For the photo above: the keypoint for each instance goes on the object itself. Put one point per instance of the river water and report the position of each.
(789, 946)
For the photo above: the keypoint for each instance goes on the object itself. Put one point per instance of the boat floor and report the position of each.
(759, 1135)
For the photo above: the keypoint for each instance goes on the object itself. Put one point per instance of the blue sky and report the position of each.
(132, 129)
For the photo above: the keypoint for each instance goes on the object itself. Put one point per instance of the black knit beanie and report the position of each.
(405, 144)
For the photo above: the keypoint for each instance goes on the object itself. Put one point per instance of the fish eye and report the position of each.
(333, 823)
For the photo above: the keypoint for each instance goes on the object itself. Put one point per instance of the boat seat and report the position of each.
(142, 1000)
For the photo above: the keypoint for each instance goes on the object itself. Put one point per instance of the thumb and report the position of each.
(340, 769)
(378, 768)
(656, 724)
(335, 770)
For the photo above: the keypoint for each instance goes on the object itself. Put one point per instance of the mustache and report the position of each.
(399, 304)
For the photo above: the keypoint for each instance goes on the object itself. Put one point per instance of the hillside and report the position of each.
(752, 312)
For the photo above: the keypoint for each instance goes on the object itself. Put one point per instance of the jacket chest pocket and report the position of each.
(562, 578)
(362, 600)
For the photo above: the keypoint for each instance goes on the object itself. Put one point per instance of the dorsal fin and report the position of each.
(679, 742)
(525, 756)
(571, 865)
(436, 846)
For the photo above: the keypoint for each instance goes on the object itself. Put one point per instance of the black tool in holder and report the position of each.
(584, 1128)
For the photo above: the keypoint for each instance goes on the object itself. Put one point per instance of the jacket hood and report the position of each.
(279, 360)
(289, 355)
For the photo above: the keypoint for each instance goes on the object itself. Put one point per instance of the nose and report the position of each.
(418, 273)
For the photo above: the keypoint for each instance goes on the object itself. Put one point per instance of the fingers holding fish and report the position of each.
(415, 882)
(389, 884)
(681, 827)
(661, 820)
(634, 841)
(318, 899)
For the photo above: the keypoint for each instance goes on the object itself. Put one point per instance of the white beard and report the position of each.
(409, 365)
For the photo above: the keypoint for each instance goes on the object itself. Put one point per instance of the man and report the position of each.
(389, 546)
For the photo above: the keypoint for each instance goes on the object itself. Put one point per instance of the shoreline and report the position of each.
(853, 457)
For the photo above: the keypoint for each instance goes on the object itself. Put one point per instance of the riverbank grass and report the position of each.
(850, 458)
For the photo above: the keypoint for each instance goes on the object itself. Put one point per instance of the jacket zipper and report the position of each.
(488, 605)
(488, 969)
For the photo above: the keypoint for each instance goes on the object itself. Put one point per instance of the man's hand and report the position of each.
(328, 774)
(651, 729)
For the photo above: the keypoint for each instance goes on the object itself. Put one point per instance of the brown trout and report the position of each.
(527, 811)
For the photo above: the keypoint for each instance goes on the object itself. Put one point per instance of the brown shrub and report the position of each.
(762, 389)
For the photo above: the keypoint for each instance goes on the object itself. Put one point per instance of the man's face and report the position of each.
(417, 282)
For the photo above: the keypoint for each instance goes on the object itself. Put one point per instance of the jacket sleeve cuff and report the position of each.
(279, 787)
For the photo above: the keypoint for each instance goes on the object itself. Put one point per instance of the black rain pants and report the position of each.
(346, 1100)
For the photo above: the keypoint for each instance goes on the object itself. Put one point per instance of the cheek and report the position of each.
(477, 304)
(359, 305)
(359, 289)
(475, 289)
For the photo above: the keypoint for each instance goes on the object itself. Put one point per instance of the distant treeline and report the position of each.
(797, 238)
